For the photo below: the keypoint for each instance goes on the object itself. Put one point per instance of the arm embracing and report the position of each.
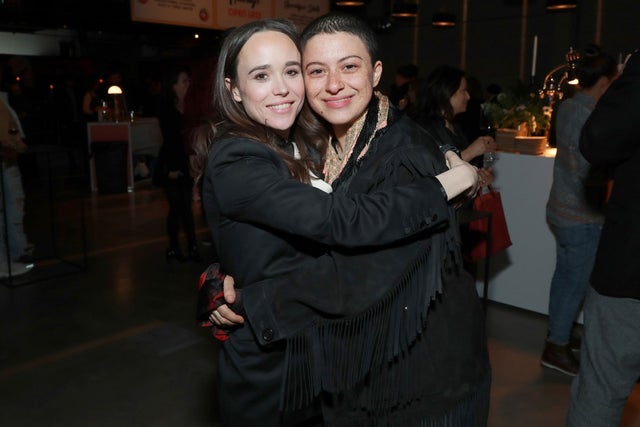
(342, 282)
(249, 183)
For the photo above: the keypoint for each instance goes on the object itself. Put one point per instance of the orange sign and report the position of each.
(223, 14)
(188, 13)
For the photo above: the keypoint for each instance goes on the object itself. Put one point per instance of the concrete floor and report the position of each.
(117, 344)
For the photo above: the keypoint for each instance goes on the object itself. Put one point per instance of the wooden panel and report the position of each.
(108, 132)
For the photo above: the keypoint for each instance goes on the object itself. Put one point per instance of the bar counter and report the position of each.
(521, 275)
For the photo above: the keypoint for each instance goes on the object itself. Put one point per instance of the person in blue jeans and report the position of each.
(574, 211)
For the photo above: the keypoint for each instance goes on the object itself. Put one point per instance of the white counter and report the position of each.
(143, 137)
(521, 275)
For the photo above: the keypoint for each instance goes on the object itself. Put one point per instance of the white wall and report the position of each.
(39, 44)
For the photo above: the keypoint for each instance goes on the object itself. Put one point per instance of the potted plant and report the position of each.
(517, 113)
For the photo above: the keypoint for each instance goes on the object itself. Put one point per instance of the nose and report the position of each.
(334, 82)
(280, 86)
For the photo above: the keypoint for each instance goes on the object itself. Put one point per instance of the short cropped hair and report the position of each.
(337, 22)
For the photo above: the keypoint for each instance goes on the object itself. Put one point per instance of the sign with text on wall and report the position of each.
(223, 14)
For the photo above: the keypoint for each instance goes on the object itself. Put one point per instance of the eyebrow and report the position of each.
(344, 58)
(259, 68)
(269, 66)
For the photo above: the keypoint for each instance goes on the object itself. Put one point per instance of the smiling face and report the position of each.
(339, 78)
(460, 98)
(269, 80)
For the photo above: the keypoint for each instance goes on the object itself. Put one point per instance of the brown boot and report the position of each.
(560, 358)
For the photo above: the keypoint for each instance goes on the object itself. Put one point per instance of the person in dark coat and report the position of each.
(265, 218)
(409, 347)
(610, 352)
(444, 98)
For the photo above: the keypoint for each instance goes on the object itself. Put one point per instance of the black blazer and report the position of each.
(265, 225)
(263, 222)
(346, 315)
(611, 137)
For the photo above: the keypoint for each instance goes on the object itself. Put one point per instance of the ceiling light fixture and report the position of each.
(561, 5)
(346, 3)
(443, 19)
(404, 9)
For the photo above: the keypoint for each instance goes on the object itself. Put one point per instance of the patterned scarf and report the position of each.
(334, 163)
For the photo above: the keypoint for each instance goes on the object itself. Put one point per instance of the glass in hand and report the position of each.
(489, 159)
(487, 128)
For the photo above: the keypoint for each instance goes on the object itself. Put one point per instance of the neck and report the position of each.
(340, 133)
(180, 105)
(598, 89)
(284, 134)
(449, 125)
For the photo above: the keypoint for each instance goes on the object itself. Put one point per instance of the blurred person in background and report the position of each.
(19, 259)
(172, 170)
(574, 211)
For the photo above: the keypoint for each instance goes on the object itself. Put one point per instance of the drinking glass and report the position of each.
(487, 128)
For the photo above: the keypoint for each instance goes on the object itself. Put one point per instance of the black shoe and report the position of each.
(560, 358)
(575, 340)
(194, 254)
(174, 254)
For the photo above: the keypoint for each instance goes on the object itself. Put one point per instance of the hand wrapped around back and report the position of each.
(461, 179)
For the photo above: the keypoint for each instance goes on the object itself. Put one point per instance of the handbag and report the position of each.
(500, 240)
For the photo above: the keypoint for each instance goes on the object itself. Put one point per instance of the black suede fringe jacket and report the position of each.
(265, 225)
(397, 338)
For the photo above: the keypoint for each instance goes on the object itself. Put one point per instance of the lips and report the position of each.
(282, 107)
(343, 101)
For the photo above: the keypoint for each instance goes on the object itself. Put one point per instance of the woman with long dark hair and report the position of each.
(444, 96)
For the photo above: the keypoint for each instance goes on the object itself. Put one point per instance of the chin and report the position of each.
(280, 126)
(343, 119)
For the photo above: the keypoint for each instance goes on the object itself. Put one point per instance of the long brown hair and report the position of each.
(308, 133)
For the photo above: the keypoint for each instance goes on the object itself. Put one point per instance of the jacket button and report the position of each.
(434, 217)
(267, 334)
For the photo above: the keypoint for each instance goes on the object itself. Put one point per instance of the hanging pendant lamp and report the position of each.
(561, 4)
(349, 3)
(443, 19)
(404, 9)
